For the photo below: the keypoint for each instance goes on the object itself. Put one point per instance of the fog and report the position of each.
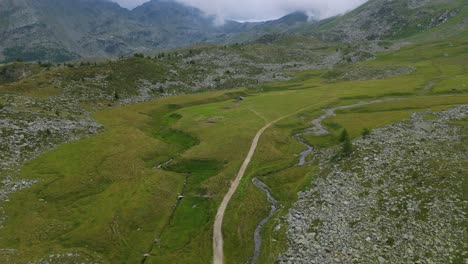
(258, 10)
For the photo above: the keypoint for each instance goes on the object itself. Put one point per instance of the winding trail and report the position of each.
(218, 242)
(218, 254)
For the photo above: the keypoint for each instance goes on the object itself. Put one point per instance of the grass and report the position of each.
(119, 77)
(102, 196)
(92, 187)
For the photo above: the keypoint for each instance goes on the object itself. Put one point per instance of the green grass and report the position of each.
(90, 190)
(101, 195)
(198, 171)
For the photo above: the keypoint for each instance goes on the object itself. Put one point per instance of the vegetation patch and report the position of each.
(198, 172)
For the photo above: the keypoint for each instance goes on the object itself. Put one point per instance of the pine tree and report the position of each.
(347, 148)
(344, 135)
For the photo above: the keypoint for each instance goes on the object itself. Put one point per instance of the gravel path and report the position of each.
(218, 254)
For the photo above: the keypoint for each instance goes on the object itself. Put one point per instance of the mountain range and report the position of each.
(62, 30)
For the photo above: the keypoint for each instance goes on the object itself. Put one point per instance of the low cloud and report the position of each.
(258, 10)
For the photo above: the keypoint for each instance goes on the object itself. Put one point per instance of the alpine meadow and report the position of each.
(159, 135)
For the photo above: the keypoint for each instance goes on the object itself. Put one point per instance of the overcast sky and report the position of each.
(256, 10)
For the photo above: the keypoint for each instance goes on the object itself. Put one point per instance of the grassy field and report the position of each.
(103, 198)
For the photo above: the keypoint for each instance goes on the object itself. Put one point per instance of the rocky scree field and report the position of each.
(398, 198)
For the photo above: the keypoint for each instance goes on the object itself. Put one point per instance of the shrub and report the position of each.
(366, 132)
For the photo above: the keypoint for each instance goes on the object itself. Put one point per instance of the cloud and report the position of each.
(259, 10)
(256, 10)
(130, 3)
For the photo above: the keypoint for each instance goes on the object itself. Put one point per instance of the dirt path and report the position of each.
(218, 254)
(218, 242)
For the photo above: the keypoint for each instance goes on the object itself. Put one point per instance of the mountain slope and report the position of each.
(243, 32)
(387, 19)
(61, 29)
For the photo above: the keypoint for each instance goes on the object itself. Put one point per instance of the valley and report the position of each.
(316, 142)
(101, 199)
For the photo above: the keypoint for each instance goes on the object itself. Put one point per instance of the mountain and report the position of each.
(62, 30)
(166, 24)
(243, 32)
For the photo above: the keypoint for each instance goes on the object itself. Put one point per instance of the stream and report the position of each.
(274, 208)
(318, 129)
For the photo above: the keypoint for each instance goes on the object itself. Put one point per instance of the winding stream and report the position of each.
(304, 154)
(318, 129)
(274, 208)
